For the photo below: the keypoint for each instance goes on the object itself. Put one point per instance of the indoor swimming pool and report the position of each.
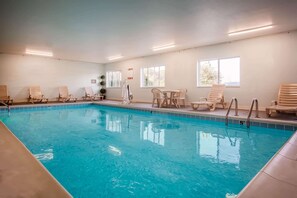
(100, 151)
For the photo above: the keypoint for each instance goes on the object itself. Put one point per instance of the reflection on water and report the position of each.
(63, 115)
(117, 123)
(154, 131)
(114, 150)
(218, 147)
(89, 112)
(45, 156)
(153, 134)
(113, 123)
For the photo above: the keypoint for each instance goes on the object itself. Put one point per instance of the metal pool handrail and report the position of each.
(236, 109)
(8, 107)
(255, 101)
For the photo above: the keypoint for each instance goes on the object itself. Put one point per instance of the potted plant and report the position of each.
(102, 84)
(103, 92)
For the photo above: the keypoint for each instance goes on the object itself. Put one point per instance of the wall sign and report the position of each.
(130, 73)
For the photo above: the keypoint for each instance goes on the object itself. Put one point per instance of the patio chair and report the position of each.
(158, 97)
(180, 97)
(4, 97)
(89, 94)
(215, 96)
(64, 95)
(35, 95)
(286, 101)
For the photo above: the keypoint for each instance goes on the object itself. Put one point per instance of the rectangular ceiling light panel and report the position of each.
(114, 57)
(250, 30)
(39, 53)
(162, 47)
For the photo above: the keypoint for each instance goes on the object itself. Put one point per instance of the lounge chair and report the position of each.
(89, 94)
(4, 97)
(158, 97)
(215, 96)
(64, 95)
(35, 95)
(286, 101)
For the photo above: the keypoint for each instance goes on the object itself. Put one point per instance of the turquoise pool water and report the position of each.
(97, 151)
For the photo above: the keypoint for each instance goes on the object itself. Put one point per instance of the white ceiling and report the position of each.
(92, 30)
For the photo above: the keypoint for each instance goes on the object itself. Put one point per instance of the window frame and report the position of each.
(117, 87)
(218, 82)
(141, 76)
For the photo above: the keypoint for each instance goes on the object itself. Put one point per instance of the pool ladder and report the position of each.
(236, 109)
(248, 122)
(254, 102)
(8, 107)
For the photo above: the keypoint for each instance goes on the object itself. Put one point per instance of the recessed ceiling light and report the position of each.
(114, 57)
(250, 30)
(39, 53)
(161, 47)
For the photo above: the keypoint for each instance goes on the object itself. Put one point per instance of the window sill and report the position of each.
(225, 86)
(113, 87)
(151, 87)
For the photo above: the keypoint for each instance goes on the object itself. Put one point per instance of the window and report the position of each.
(219, 71)
(152, 76)
(113, 79)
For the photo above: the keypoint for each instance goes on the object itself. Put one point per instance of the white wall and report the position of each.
(266, 62)
(21, 72)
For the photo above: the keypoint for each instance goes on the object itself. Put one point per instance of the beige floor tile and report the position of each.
(283, 169)
(265, 186)
(293, 140)
(289, 151)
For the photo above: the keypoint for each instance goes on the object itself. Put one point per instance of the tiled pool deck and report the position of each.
(21, 175)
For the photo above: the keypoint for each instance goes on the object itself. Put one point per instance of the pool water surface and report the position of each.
(97, 151)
